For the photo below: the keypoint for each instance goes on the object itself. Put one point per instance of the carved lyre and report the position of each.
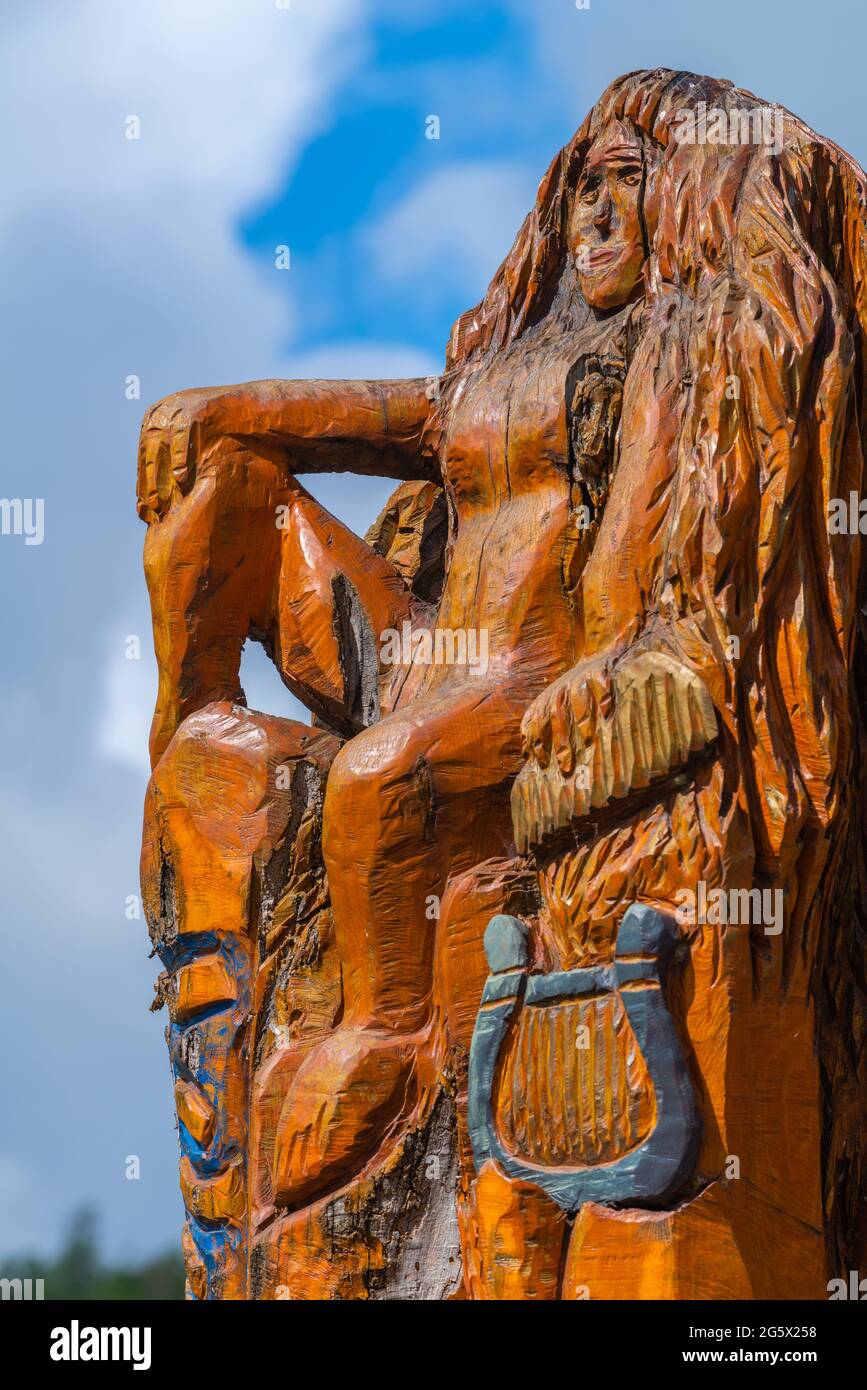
(578, 1082)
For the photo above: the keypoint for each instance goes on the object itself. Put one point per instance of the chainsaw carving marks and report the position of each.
(621, 500)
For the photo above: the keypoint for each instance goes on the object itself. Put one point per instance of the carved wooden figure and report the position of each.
(534, 968)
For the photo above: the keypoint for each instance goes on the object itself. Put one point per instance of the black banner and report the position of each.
(253, 1340)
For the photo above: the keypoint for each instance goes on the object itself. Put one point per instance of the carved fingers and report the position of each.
(562, 721)
(173, 434)
(600, 733)
(662, 714)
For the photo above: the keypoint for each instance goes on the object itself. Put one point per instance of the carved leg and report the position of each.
(416, 797)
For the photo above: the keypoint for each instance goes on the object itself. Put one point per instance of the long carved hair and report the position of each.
(756, 281)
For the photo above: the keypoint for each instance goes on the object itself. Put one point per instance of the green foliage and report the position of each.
(78, 1272)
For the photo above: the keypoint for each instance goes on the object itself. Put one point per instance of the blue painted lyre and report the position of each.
(652, 1169)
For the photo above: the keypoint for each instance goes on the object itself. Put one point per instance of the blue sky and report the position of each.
(260, 126)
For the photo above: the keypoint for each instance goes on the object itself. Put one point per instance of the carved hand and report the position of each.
(174, 434)
(562, 720)
(603, 730)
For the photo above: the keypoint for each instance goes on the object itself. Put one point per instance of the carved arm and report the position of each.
(237, 548)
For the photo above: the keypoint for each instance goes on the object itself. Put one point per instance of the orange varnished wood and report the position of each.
(624, 480)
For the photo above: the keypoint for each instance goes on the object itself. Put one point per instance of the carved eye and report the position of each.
(589, 195)
(632, 178)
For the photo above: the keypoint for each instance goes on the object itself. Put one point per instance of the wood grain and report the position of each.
(621, 492)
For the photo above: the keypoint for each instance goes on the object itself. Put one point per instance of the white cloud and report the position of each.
(126, 251)
(225, 91)
(454, 227)
(144, 232)
(127, 695)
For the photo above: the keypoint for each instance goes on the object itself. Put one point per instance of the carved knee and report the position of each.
(379, 793)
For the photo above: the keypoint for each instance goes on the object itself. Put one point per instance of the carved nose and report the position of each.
(602, 215)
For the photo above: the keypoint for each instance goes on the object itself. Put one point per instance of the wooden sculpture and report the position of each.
(534, 967)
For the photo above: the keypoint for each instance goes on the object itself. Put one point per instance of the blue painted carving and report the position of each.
(650, 1173)
(506, 943)
(198, 1049)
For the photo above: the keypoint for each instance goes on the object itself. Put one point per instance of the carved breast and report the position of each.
(508, 432)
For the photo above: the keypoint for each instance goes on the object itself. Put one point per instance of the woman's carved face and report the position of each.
(605, 234)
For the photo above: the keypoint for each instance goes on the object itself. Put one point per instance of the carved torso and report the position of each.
(510, 472)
